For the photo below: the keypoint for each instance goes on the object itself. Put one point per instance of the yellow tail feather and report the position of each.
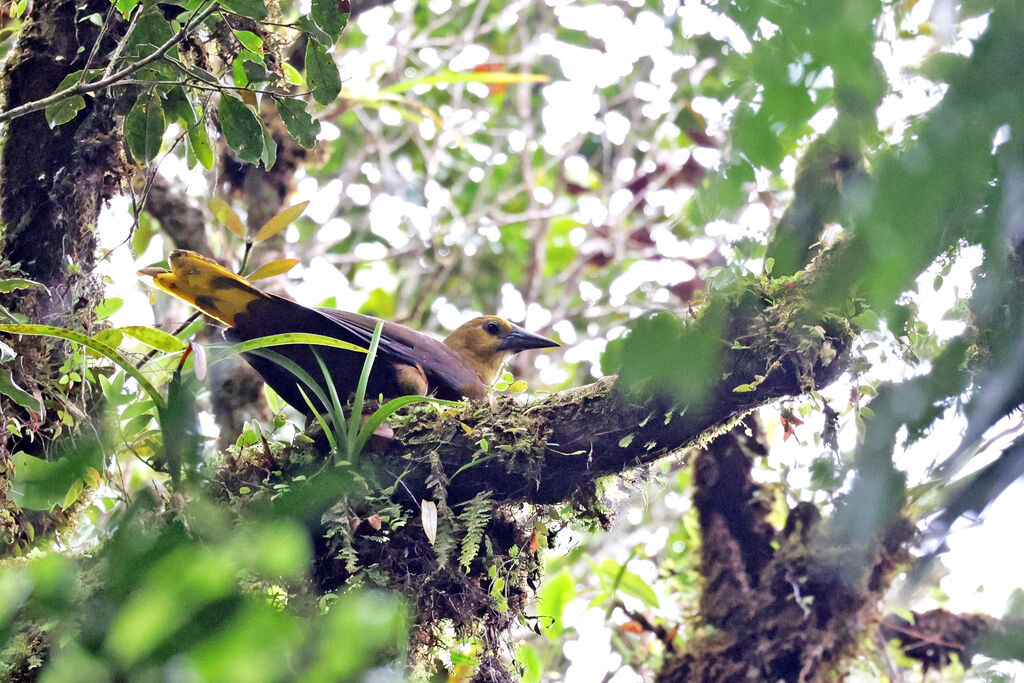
(205, 284)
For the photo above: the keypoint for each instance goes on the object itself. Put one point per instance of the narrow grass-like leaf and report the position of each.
(389, 409)
(337, 414)
(107, 352)
(364, 378)
(287, 338)
(331, 439)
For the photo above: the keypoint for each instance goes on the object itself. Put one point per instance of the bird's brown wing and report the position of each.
(407, 361)
(401, 352)
(448, 374)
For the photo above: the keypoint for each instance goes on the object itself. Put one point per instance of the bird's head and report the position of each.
(487, 342)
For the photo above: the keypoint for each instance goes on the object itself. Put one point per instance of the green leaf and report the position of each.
(250, 41)
(108, 307)
(125, 7)
(158, 339)
(754, 137)
(322, 74)
(528, 658)
(144, 128)
(315, 32)
(107, 352)
(41, 484)
(331, 16)
(254, 9)
(10, 389)
(11, 284)
(65, 111)
(242, 130)
(273, 268)
(554, 595)
(628, 582)
(269, 156)
(301, 126)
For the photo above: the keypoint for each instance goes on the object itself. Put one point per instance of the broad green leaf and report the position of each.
(280, 221)
(226, 215)
(41, 484)
(197, 148)
(254, 9)
(554, 595)
(152, 31)
(322, 74)
(331, 16)
(528, 658)
(108, 307)
(242, 130)
(144, 128)
(301, 126)
(9, 388)
(65, 110)
(111, 336)
(273, 268)
(305, 23)
(158, 339)
(250, 41)
(628, 582)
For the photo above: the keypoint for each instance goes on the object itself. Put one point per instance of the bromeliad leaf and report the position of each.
(158, 339)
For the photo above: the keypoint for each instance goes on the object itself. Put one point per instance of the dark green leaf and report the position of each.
(144, 128)
(269, 156)
(242, 129)
(254, 9)
(65, 110)
(297, 120)
(322, 74)
(314, 31)
(331, 16)
(250, 41)
(152, 31)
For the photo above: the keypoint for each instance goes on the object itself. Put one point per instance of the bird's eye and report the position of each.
(492, 328)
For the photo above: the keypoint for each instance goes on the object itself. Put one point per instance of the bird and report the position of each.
(464, 366)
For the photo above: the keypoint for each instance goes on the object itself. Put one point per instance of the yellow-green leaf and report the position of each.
(158, 339)
(226, 215)
(280, 221)
(273, 268)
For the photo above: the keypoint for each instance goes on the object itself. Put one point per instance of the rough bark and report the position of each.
(53, 184)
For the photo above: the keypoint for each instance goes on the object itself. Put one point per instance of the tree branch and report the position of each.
(112, 79)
